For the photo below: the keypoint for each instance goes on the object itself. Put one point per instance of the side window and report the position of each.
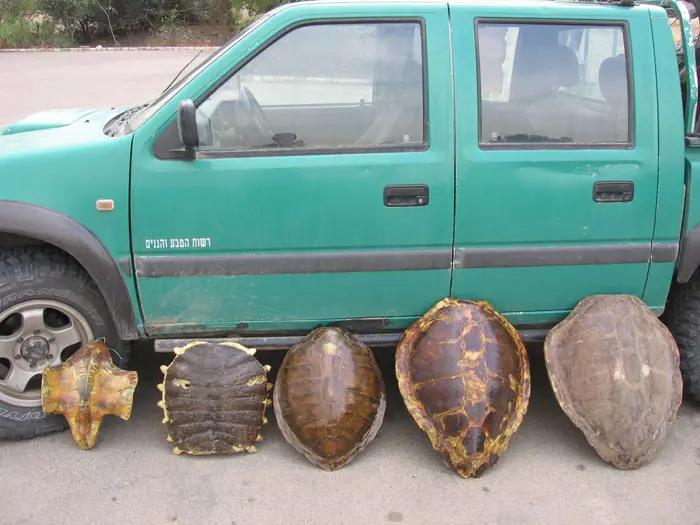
(553, 84)
(323, 86)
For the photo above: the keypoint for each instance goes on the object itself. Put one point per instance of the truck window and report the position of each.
(543, 85)
(326, 85)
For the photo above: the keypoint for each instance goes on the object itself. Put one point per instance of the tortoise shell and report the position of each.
(214, 398)
(85, 388)
(464, 376)
(329, 397)
(615, 371)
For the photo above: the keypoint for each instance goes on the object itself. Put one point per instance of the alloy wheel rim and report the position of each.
(35, 335)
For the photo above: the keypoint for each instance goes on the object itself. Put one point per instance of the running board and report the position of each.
(285, 342)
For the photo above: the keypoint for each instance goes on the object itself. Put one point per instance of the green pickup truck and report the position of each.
(350, 164)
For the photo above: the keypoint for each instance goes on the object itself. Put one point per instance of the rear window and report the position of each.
(543, 85)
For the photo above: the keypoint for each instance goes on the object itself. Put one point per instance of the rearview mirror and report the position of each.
(187, 124)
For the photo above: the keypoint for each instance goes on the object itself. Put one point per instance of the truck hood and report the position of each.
(46, 139)
(54, 118)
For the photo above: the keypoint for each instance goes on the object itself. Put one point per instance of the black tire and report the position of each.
(35, 273)
(682, 317)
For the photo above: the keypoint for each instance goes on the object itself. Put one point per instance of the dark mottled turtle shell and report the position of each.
(214, 398)
(329, 397)
(464, 376)
(614, 368)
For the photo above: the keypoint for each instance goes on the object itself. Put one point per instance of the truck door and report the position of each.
(557, 156)
(319, 191)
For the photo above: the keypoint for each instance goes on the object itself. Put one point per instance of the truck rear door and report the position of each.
(557, 145)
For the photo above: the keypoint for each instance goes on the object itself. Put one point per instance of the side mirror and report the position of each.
(187, 124)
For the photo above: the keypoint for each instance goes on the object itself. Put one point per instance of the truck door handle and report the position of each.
(406, 195)
(613, 191)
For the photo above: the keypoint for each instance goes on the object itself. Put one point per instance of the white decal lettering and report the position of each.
(176, 243)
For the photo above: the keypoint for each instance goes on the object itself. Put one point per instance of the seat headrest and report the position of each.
(564, 63)
(612, 78)
(546, 69)
(405, 82)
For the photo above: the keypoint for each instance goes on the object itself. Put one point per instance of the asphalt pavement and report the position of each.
(549, 474)
(75, 79)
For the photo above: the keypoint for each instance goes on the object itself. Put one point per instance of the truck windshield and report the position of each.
(142, 113)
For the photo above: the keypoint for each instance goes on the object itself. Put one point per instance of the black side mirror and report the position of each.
(187, 124)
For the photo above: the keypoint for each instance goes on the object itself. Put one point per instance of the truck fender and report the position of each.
(43, 224)
(689, 257)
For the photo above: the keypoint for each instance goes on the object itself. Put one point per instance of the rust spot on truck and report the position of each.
(161, 329)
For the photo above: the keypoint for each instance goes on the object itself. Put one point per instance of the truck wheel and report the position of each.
(682, 317)
(49, 308)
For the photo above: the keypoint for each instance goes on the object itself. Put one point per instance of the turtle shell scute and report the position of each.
(464, 376)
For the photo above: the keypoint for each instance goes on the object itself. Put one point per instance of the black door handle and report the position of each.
(613, 191)
(407, 195)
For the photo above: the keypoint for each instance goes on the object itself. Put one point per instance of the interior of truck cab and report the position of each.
(295, 91)
(560, 83)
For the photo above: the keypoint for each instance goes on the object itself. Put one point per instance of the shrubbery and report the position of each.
(28, 23)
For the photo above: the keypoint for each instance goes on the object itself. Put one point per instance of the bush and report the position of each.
(86, 19)
(14, 9)
(24, 33)
(74, 16)
(83, 20)
(129, 16)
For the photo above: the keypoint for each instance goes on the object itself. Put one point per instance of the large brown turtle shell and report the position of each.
(329, 397)
(464, 376)
(214, 398)
(615, 370)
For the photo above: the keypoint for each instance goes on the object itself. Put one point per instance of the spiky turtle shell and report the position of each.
(464, 376)
(214, 398)
(329, 397)
(615, 370)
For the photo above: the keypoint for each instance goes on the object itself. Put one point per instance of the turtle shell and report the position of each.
(329, 397)
(214, 398)
(85, 388)
(615, 371)
(464, 376)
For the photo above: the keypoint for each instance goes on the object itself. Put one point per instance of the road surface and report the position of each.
(39, 81)
(549, 475)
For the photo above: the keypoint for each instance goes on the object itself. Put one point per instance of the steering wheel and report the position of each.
(258, 116)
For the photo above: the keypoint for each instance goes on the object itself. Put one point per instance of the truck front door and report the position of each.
(557, 158)
(319, 192)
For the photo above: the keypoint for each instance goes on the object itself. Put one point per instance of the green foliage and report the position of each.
(209, 11)
(245, 12)
(173, 26)
(83, 20)
(257, 6)
(74, 16)
(14, 9)
(137, 15)
(23, 33)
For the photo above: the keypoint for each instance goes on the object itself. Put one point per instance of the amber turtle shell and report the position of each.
(87, 387)
(464, 375)
(214, 398)
(329, 397)
(615, 370)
